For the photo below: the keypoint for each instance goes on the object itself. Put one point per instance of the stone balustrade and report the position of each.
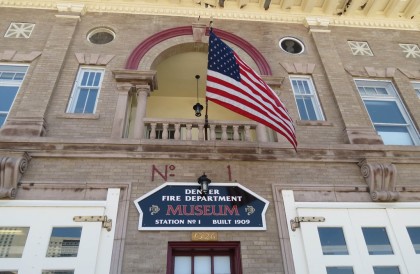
(193, 130)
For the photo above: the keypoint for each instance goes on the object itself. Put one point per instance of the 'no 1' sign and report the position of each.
(182, 206)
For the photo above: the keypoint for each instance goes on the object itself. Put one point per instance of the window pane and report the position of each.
(12, 241)
(310, 108)
(182, 265)
(340, 270)
(58, 272)
(302, 110)
(384, 112)
(97, 78)
(7, 96)
(332, 241)
(395, 135)
(85, 78)
(64, 242)
(91, 100)
(7, 76)
(386, 270)
(81, 100)
(377, 241)
(414, 233)
(382, 91)
(202, 265)
(221, 265)
(370, 91)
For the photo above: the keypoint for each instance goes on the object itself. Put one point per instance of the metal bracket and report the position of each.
(106, 223)
(295, 223)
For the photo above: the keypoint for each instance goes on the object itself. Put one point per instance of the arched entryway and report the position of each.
(176, 57)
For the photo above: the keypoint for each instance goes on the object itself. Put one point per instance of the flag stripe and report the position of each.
(249, 112)
(232, 92)
(232, 84)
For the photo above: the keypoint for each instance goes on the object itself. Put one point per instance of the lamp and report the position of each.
(197, 107)
(204, 184)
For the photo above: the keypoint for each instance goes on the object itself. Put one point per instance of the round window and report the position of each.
(101, 36)
(291, 45)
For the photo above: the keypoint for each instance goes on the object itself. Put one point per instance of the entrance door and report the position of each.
(42, 237)
(355, 238)
(204, 258)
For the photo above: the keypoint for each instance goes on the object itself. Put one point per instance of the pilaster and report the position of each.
(28, 118)
(358, 129)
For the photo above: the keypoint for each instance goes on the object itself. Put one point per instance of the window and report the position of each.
(204, 258)
(306, 98)
(291, 45)
(416, 86)
(19, 30)
(86, 91)
(11, 78)
(101, 36)
(360, 48)
(387, 113)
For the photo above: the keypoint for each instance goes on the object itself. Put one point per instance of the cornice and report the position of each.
(47, 147)
(190, 9)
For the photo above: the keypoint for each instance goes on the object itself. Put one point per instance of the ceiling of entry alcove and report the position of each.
(176, 75)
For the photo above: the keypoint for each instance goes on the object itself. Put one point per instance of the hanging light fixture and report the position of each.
(197, 107)
(204, 184)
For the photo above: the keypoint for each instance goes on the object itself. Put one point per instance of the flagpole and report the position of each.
(206, 117)
(206, 120)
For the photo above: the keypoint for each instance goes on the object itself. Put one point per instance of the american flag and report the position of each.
(234, 85)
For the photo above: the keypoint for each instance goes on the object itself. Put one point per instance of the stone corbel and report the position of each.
(11, 170)
(381, 179)
(199, 31)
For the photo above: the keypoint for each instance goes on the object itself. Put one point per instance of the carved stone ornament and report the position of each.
(381, 178)
(11, 170)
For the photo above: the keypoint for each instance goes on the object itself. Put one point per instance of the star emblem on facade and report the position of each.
(360, 48)
(19, 30)
(410, 50)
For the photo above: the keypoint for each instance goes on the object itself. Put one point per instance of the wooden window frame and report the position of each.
(233, 249)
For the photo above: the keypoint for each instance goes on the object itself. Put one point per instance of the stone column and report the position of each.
(358, 128)
(143, 83)
(28, 117)
(143, 91)
(121, 110)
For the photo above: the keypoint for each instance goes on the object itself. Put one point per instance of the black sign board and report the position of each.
(182, 206)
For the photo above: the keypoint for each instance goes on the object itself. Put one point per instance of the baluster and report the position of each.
(247, 133)
(177, 134)
(224, 133)
(200, 132)
(152, 131)
(212, 132)
(165, 131)
(235, 132)
(189, 134)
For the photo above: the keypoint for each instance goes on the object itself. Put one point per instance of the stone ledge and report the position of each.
(89, 116)
(314, 123)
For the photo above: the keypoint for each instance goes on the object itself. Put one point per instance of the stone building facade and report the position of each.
(96, 112)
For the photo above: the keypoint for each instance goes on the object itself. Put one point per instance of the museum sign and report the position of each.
(182, 206)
